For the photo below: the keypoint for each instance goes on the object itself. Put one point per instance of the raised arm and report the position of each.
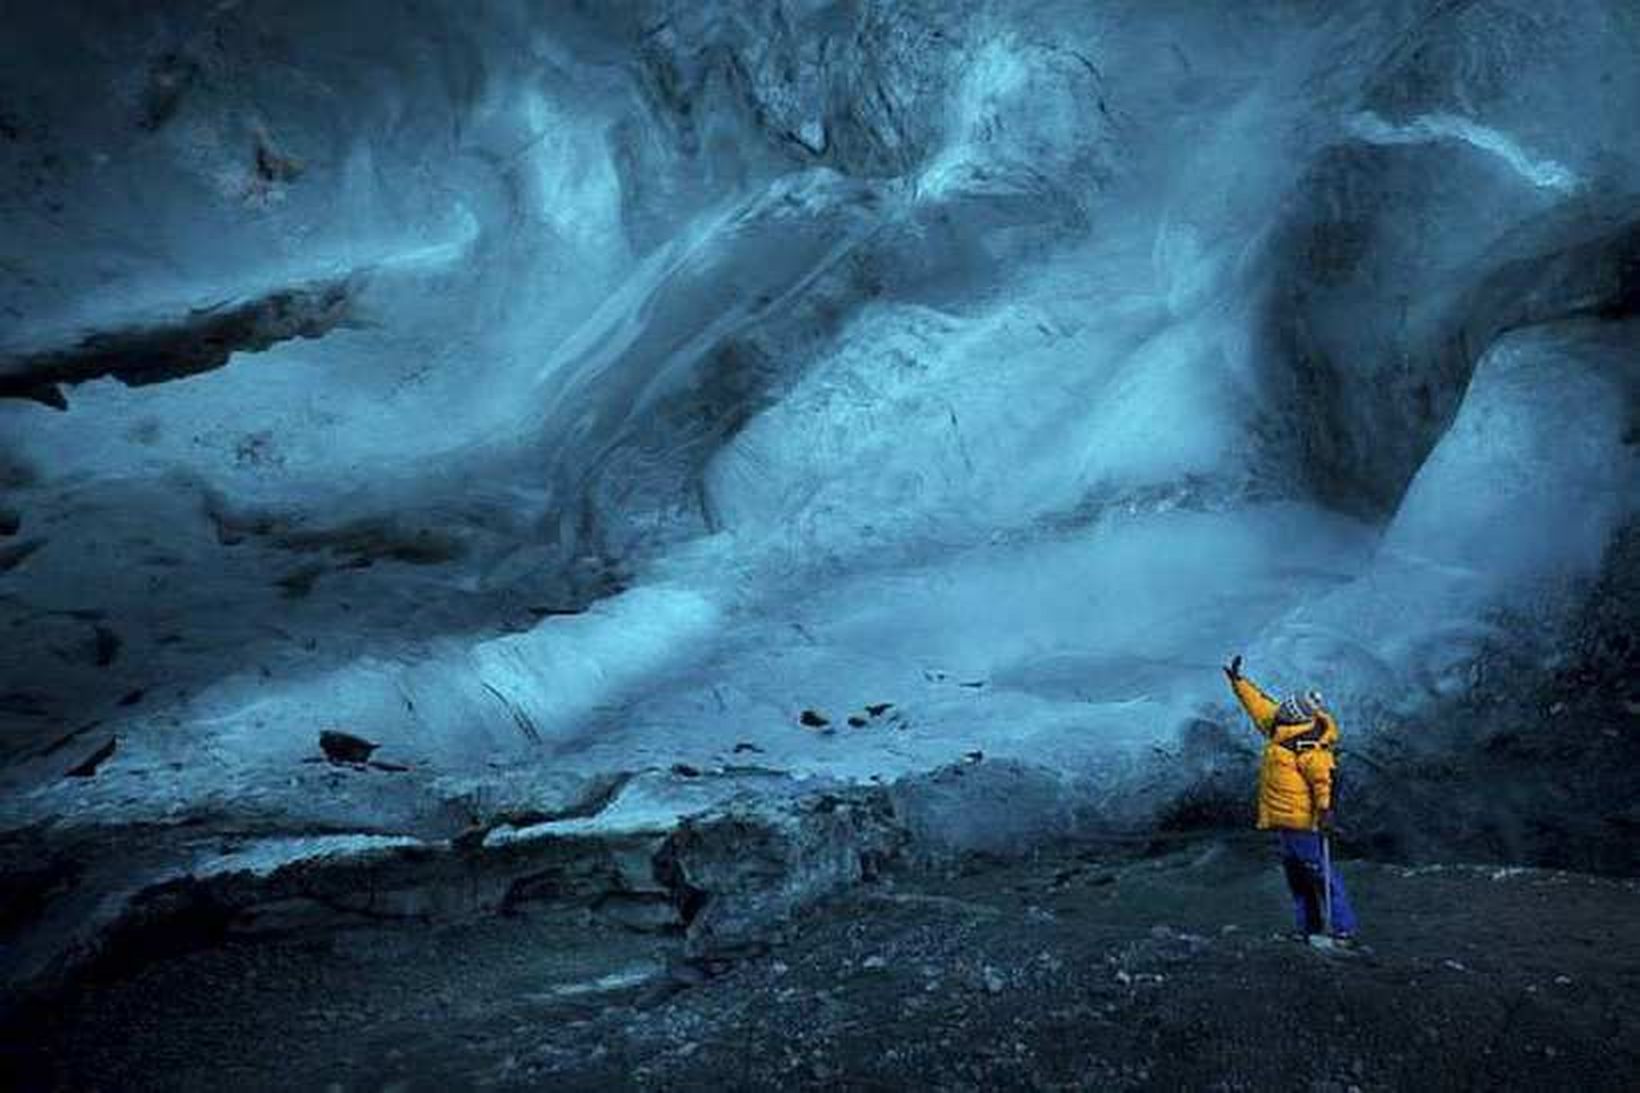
(1259, 706)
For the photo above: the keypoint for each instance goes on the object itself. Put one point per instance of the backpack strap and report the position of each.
(1306, 741)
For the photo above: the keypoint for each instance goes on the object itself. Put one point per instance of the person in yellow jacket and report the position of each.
(1295, 799)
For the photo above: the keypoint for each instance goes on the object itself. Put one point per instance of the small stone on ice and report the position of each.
(344, 747)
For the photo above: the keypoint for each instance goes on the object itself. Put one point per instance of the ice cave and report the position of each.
(558, 544)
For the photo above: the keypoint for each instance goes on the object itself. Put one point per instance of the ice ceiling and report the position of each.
(555, 388)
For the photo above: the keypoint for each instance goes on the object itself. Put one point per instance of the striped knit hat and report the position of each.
(1297, 709)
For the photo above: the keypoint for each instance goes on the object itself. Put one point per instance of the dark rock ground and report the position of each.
(1073, 969)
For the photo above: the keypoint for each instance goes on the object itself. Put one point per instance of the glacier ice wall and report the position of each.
(541, 389)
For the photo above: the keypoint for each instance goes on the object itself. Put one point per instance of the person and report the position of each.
(1296, 800)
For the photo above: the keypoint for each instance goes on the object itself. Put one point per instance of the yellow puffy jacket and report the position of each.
(1295, 777)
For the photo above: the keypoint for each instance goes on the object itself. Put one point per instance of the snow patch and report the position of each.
(1542, 172)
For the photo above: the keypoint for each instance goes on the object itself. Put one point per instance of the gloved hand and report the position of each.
(1233, 669)
(1326, 823)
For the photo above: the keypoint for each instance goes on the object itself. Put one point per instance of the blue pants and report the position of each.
(1301, 860)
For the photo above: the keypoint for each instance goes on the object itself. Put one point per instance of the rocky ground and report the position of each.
(1072, 969)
